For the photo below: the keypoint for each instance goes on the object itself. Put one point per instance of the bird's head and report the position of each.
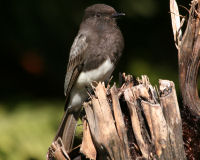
(101, 12)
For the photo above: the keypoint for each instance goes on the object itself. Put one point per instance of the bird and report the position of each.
(93, 56)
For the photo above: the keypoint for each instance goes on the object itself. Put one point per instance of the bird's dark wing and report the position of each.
(75, 63)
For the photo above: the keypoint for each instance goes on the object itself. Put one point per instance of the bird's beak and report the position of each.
(117, 15)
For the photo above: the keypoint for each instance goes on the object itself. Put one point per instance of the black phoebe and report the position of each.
(93, 57)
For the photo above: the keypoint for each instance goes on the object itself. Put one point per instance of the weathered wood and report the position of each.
(171, 112)
(131, 102)
(164, 141)
(87, 146)
(120, 121)
(189, 58)
(154, 120)
(176, 22)
(57, 151)
(103, 129)
(160, 124)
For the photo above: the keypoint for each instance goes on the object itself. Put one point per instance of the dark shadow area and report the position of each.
(37, 36)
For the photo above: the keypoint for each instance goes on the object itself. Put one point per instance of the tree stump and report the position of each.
(133, 121)
(155, 121)
(188, 45)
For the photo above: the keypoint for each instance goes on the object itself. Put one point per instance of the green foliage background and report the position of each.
(36, 36)
(26, 132)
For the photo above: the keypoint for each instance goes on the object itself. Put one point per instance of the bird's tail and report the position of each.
(67, 129)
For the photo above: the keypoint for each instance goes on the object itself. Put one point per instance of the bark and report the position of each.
(188, 54)
(155, 121)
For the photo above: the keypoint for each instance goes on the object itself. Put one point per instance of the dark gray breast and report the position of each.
(102, 44)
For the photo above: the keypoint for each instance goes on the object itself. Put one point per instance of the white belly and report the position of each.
(99, 74)
(79, 94)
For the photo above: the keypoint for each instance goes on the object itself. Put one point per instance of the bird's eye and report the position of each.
(98, 15)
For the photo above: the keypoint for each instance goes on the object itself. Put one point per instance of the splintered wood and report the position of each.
(102, 126)
(188, 45)
(155, 121)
